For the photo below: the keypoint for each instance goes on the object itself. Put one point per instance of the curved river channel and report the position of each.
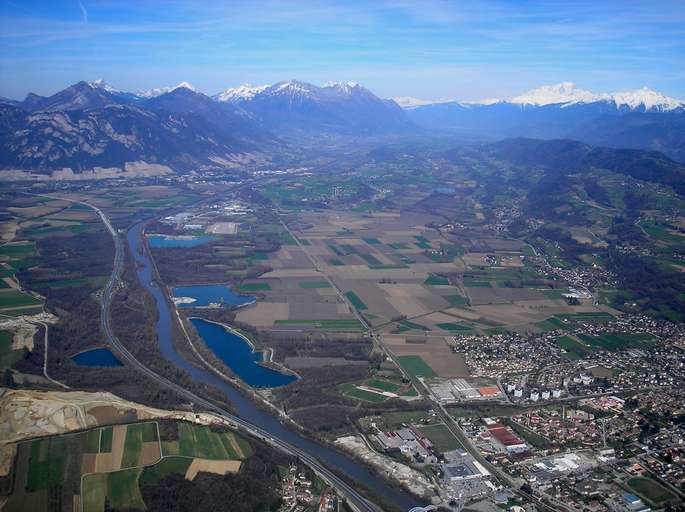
(244, 407)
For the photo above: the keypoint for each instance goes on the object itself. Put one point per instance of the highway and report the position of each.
(354, 499)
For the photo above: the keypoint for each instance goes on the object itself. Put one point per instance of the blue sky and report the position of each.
(426, 49)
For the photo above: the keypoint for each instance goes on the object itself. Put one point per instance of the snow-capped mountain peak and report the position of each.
(562, 93)
(647, 99)
(341, 86)
(101, 84)
(292, 86)
(158, 91)
(244, 92)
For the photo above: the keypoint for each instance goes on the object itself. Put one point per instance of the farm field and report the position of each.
(653, 491)
(416, 366)
(430, 356)
(111, 464)
(443, 440)
(617, 341)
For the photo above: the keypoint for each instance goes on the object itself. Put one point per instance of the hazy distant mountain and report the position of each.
(336, 107)
(641, 119)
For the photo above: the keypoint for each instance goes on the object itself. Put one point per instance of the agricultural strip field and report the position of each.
(416, 366)
(200, 441)
(356, 301)
(254, 287)
(48, 472)
(341, 324)
(314, 285)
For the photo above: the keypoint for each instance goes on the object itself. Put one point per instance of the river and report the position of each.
(244, 406)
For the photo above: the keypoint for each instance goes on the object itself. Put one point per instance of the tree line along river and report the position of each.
(244, 407)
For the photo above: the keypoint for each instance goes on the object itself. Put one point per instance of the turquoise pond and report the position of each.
(96, 357)
(206, 294)
(164, 241)
(237, 354)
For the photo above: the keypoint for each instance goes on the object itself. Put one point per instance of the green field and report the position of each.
(553, 294)
(416, 366)
(454, 327)
(119, 489)
(422, 242)
(200, 441)
(136, 435)
(552, 324)
(372, 241)
(443, 440)
(618, 341)
(254, 287)
(106, 440)
(371, 260)
(123, 492)
(93, 442)
(350, 390)
(456, 300)
(9, 357)
(476, 283)
(16, 298)
(574, 349)
(395, 420)
(434, 280)
(18, 250)
(383, 385)
(22, 311)
(660, 233)
(399, 246)
(407, 325)
(342, 324)
(652, 490)
(587, 316)
(167, 466)
(94, 492)
(312, 285)
(355, 301)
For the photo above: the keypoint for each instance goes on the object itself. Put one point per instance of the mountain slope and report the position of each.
(110, 137)
(79, 96)
(569, 156)
(225, 117)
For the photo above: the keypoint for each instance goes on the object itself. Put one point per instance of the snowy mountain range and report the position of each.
(640, 119)
(566, 94)
(341, 107)
(93, 124)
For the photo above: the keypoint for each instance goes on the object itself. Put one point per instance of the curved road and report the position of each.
(356, 500)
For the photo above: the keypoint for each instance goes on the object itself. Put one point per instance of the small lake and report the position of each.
(208, 294)
(166, 241)
(238, 355)
(96, 357)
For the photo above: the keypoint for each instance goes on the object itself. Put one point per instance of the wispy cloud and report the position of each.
(497, 44)
(84, 12)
